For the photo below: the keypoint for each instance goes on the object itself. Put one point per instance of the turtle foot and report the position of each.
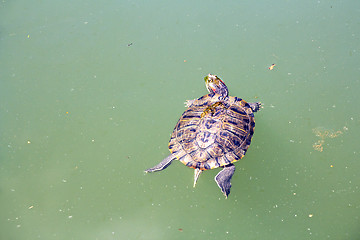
(162, 165)
(223, 179)
(256, 106)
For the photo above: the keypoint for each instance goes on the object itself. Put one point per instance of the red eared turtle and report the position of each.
(215, 131)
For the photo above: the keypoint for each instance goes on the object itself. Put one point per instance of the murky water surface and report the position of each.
(90, 93)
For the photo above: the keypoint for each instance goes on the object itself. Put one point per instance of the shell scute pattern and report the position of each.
(216, 139)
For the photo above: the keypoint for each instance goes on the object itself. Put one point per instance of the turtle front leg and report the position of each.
(196, 175)
(223, 179)
(188, 103)
(255, 106)
(162, 165)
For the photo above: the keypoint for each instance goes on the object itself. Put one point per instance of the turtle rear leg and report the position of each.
(255, 106)
(223, 179)
(162, 165)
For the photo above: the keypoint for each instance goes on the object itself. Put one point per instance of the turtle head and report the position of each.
(216, 85)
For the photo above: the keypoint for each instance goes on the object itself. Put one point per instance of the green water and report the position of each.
(90, 93)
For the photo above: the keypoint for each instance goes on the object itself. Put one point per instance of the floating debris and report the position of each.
(324, 134)
(318, 146)
(272, 66)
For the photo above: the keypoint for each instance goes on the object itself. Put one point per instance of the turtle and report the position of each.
(214, 132)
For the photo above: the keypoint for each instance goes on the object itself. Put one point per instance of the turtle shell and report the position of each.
(206, 139)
